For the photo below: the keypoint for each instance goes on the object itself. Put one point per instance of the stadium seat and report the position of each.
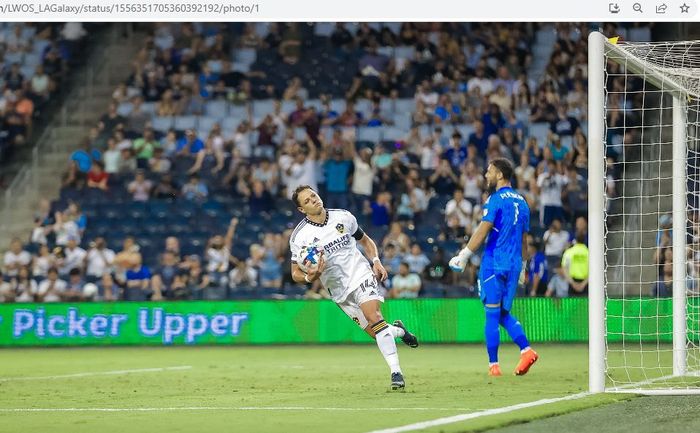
(182, 123)
(162, 124)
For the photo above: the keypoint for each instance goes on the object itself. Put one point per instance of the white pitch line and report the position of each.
(98, 373)
(214, 408)
(479, 414)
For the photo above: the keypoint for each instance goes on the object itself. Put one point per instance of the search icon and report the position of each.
(637, 7)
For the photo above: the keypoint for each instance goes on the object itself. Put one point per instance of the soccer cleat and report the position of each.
(408, 338)
(527, 359)
(397, 381)
(495, 370)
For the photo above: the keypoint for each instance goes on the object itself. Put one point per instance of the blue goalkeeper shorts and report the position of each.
(498, 286)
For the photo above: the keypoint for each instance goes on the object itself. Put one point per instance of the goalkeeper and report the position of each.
(506, 220)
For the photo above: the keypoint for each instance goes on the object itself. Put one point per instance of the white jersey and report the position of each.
(346, 268)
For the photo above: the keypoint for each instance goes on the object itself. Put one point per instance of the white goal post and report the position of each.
(643, 136)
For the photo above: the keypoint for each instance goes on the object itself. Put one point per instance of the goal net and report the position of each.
(644, 211)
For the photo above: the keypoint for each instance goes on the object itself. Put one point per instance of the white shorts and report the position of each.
(367, 290)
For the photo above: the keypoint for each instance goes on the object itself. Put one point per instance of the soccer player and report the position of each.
(346, 273)
(505, 222)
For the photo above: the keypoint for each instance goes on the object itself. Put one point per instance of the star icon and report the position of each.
(685, 8)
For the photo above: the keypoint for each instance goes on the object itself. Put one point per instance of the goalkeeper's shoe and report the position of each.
(408, 338)
(495, 370)
(527, 359)
(397, 381)
(457, 264)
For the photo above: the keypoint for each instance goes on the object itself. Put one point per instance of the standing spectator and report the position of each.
(219, 255)
(140, 187)
(52, 288)
(472, 183)
(259, 199)
(338, 171)
(417, 260)
(550, 184)
(444, 181)
(16, 258)
(575, 265)
(65, 227)
(458, 214)
(195, 189)
(555, 242)
(381, 210)
(362, 178)
(405, 284)
(99, 260)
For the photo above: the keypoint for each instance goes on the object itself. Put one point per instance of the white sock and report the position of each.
(396, 331)
(387, 345)
(525, 349)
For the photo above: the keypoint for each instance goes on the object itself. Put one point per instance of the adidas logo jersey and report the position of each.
(346, 267)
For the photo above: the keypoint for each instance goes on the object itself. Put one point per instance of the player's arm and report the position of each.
(459, 262)
(371, 250)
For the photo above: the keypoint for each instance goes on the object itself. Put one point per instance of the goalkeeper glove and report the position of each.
(459, 262)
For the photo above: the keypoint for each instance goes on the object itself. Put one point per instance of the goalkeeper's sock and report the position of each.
(515, 330)
(387, 345)
(492, 334)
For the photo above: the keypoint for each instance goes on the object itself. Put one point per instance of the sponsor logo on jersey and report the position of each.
(340, 228)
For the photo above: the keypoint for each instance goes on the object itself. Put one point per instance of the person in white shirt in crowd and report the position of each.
(362, 178)
(556, 241)
(458, 213)
(73, 257)
(218, 255)
(472, 183)
(405, 284)
(16, 258)
(52, 288)
(416, 259)
(23, 286)
(99, 260)
(44, 261)
(65, 228)
(140, 187)
(550, 184)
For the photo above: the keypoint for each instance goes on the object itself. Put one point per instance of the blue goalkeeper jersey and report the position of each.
(510, 215)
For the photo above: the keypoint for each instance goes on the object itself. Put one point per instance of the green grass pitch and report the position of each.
(278, 389)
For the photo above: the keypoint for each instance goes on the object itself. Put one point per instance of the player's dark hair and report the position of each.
(297, 191)
(504, 166)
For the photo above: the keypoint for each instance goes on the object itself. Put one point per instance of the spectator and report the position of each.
(563, 124)
(195, 189)
(405, 284)
(44, 261)
(260, 200)
(219, 255)
(97, 178)
(398, 238)
(166, 189)
(7, 294)
(537, 275)
(458, 214)
(270, 270)
(243, 276)
(437, 270)
(52, 288)
(109, 122)
(108, 289)
(112, 157)
(417, 260)
(144, 147)
(16, 258)
(663, 287)
(555, 242)
(138, 278)
(338, 171)
(444, 181)
(159, 163)
(558, 285)
(575, 265)
(472, 183)
(140, 187)
(392, 259)
(456, 154)
(550, 184)
(561, 154)
(99, 259)
(73, 257)
(23, 287)
(190, 144)
(74, 287)
(137, 120)
(167, 278)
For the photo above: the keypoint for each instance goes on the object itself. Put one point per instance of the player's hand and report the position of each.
(315, 271)
(523, 275)
(456, 264)
(379, 271)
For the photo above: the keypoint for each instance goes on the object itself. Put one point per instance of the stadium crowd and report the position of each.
(34, 60)
(182, 191)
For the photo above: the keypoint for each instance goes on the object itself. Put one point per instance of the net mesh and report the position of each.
(641, 80)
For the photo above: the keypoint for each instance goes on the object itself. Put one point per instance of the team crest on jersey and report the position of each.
(340, 228)
(486, 211)
(316, 240)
